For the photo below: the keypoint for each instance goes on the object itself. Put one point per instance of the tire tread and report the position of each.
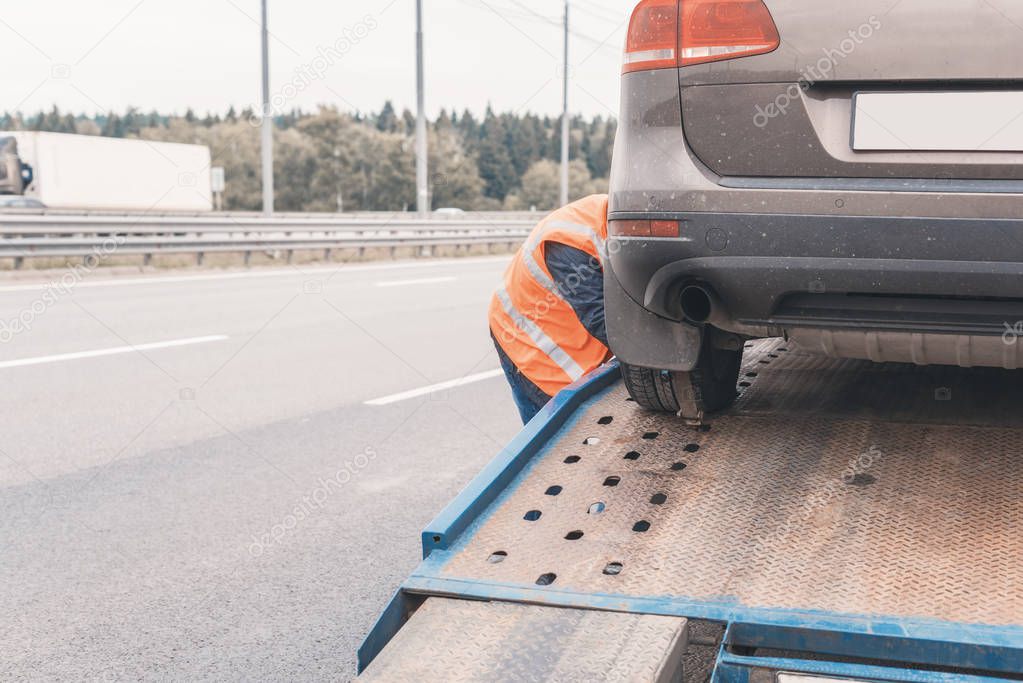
(650, 388)
(707, 388)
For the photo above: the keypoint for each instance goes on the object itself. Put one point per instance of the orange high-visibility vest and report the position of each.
(531, 318)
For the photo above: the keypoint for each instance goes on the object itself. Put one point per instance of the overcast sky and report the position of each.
(173, 54)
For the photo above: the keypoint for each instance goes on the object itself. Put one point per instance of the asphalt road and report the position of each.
(197, 479)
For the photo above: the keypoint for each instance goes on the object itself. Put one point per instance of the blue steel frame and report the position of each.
(993, 650)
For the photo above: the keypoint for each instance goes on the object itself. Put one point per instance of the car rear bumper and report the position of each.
(929, 275)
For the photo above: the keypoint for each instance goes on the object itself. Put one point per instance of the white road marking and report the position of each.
(294, 272)
(420, 281)
(442, 386)
(56, 358)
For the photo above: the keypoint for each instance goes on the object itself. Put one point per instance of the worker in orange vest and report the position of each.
(547, 317)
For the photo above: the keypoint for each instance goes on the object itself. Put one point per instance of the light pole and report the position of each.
(267, 140)
(422, 189)
(337, 177)
(564, 120)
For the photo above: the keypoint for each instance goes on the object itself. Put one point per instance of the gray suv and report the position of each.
(845, 174)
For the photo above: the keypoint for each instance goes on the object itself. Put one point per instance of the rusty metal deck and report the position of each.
(460, 640)
(834, 486)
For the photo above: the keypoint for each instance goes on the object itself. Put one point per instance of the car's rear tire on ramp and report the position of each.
(708, 387)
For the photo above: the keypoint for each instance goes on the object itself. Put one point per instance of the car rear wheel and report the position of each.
(708, 387)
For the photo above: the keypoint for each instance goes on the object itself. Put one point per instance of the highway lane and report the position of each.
(192, 483)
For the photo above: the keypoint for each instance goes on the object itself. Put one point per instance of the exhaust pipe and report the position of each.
(700, 305)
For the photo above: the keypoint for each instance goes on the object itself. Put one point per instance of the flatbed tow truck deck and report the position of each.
(842, 519)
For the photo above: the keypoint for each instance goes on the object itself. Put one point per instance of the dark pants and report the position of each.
(528, 397)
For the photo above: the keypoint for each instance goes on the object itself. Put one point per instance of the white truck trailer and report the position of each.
(88, 172)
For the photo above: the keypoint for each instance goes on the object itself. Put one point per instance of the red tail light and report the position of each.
(725, 29)
(652, 41)
(674, 33)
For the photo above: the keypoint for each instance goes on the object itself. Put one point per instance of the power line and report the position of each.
(533, 15)
(604, 8)
(596, 16)
(600, 12)
(600, 44)
(578, 34)
(509, 12)
(534, 12)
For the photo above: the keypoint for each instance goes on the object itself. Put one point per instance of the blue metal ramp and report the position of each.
(842, 520)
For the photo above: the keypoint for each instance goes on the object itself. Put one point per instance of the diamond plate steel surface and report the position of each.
(831, 485)
(459, 640)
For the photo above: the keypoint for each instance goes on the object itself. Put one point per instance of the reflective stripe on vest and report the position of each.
(598, 242)
(539, 337)
(529, 251)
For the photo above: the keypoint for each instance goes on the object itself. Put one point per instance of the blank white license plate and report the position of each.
(938, 121)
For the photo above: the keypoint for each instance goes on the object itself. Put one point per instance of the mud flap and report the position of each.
(639, 337)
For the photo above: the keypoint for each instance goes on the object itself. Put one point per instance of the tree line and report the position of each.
(329, 160)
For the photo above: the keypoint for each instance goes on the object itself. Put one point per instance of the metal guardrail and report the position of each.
(52, 234)
(245, 215)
